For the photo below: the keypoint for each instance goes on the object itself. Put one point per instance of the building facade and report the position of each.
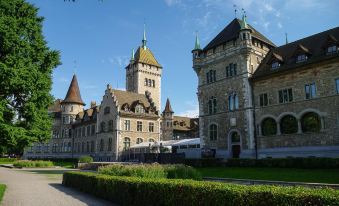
(248, 88)
(123, 118)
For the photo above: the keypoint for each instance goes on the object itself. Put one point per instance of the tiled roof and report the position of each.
(125, 97)
(185, 123)
(231, 32)
(145, 56)
(56, 106)
(314, 46)
(73, 93)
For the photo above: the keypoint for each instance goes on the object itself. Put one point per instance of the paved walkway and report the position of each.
(31, 189)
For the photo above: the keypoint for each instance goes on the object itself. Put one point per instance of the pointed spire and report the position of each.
(144, 41)
(243, 24)
(73, 93)
(197, 43)
(168, 108)
(286, 41)
(132, 56)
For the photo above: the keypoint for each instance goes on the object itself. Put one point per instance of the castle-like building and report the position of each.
(123, 119)
(260, 100)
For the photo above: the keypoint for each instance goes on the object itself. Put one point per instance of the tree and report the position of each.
(26, 66)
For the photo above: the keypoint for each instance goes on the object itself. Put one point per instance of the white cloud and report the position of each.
(279, 25)
(63, 79)
(120, 61)
(173, 2)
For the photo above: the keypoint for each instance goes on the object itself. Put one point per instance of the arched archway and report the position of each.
(289, 124)
(235, 143)
(310, 122)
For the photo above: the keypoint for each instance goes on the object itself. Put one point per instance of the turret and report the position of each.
(197, 49)
(245, 30)
(167, 122)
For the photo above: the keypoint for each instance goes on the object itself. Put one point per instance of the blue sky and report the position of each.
(95, 38)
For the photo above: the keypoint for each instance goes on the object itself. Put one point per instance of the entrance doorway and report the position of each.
(235, 144)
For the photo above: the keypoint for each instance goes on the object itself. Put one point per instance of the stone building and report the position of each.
(296, 98)
(259, 100)
(123, 118)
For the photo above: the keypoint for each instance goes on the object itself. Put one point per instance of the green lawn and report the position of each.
(50, 173)
(2, 191)
(277, 174)
(69, 165)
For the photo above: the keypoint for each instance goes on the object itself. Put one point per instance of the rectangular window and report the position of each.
(139, 126)
(301, 58)
(151, 127)
(127, 125)
(88, 130)
(208, 77)
(227, 71)
(310, 91)
(285, 95)
(263, 100)
(93, 130)
(337, 85)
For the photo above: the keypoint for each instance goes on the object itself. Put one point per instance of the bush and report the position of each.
(30, 163)
(151, 171)
(204, 162)
(7, 160)
(182, 172)
(2, 191)
(85, 159)
(143, 170)
(147, 191)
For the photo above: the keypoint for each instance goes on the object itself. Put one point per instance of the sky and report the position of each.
(96, 37)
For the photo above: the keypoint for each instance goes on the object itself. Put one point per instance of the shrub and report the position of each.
(147, 191)
(7, 160)
(2, 191)
(30, 163)
(142, 170)
(182, 172)
(152, 171)
(85, 159)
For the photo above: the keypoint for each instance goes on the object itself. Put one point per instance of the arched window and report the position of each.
(127, 143)
(151, 140)
(310, 122)
(149, 82)
(139, 140)
(153, 83)
(268, 127)
(109, 144)
(213, 132)
(235, 137)
(102, 126)
(146, 82)
(288, 125)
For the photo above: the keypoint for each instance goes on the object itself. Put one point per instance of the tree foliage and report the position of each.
(26, 66)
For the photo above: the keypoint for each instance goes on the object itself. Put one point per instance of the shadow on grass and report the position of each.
(90, 200)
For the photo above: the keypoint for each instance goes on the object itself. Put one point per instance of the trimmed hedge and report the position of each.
(151, 171)
(146, 191)
(85, 159)
(2, 191)
(303, 163)
(32, 164)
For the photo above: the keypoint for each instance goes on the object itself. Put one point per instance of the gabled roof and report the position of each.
(185, 123)
(168, 108)
(312, 45)
(144, 55)
(231, 32)
(125, 97)
(73, 93)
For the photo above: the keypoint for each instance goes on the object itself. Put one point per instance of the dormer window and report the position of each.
(275, 65)
(301, 58)
(332, 49)
(139, 109)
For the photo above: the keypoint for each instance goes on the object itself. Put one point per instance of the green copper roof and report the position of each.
(243, 23)
(132, 57)
(197, 43)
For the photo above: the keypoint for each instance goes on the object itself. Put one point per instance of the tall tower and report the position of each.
(143, 73)
(71, 106)
(167, 122)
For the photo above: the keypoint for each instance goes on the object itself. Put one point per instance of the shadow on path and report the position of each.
(89, 199)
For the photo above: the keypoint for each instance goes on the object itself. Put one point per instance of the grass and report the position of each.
(274, 174)
(51, 174)
(2, 191)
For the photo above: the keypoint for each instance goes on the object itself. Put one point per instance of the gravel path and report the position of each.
(30, 189)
